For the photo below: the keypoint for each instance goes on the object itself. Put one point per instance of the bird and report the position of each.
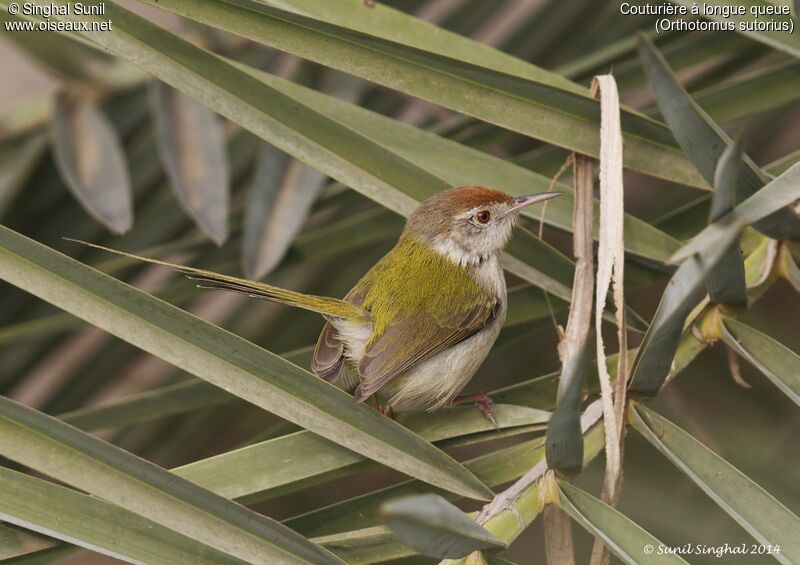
(416, 327)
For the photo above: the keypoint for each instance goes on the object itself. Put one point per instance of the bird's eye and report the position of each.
(483, 217)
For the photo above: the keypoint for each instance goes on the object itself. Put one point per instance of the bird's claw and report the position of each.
(482, 402)
(484, 405)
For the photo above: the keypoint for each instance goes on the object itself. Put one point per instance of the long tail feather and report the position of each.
(329, 307)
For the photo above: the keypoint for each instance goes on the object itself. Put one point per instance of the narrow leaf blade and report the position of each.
(564, 435)
(684, 291)
(367, 545)
(554, 115)
(15, 542)
(89, 156)
(779, 363)
(628, 540)
(392, 24)
(16, 166)
(780, 38)
(436, 528)
(726, 282)
(279, 465)
(778, 193)
(765, 518)
(191, 143)
(95, 524)
(279, 202)
(705, 142)
(393, 178)
(88, 463)
(494, 468)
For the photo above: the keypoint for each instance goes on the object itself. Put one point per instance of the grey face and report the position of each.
(485, 230)
(469, 234)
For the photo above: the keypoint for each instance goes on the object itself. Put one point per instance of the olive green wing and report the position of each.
(408, 340)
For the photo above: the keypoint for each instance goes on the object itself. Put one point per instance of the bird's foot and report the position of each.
(482, 402)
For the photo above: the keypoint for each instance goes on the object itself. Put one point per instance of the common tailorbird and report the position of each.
(416, 327)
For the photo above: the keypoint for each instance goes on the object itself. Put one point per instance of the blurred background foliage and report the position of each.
(107, 154)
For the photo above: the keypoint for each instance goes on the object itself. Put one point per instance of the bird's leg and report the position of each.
(385, 410)
(482, 402)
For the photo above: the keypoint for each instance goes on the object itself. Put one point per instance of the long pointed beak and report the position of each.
(522, 201)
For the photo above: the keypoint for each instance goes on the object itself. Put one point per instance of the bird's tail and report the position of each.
(328, 307)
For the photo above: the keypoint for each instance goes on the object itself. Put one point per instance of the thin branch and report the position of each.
(580, 312)
(557, 525)
(558, 546)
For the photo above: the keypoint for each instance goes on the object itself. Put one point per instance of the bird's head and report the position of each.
(469, 224)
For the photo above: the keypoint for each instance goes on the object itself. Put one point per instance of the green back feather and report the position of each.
(414, 278)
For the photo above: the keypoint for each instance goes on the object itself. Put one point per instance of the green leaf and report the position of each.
(280, 199)
(17, 163)
(775, 360)
(765, 518)
(191, 143)
(95, 524)
(368, 545)
(686, 221)
(496, 468)
(231, 474)
(48, 555)
(705, 142)
(88, 463)
(395, 183)
(780, 166)
(759, 91)
(780, 39)
(562, 118)
(789, 266)
(225, 360)
(16, 541)
(345, 155)
(434, 527)
(740, 97)
(686, 288)
(194, 395)
(287, 463)
(168, 400)
(780, 192)
(459, 165)
(160, 402)
(621, 535)
(726, 284)
(89, 156)
(282, 194)
(564, 435)
(391, 24)
(681, 50)
(55, 54)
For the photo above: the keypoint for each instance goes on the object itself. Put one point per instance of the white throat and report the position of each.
(457, 254)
